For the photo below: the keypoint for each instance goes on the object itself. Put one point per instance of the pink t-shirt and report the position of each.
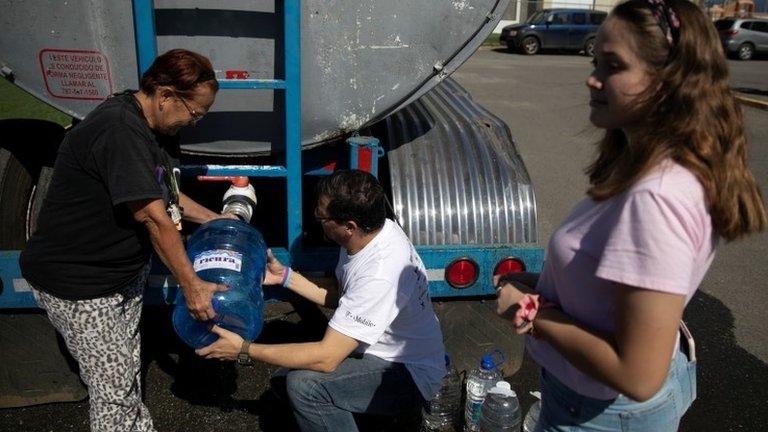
(657, 235)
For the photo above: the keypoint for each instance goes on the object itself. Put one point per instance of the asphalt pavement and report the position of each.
(749, 79)
(544, 101)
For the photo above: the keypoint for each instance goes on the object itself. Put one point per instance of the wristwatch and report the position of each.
(243, 358)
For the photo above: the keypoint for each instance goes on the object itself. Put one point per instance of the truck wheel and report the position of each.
(471, 329)
(40, 369)
(531, 45)
(589, 47)
(746, 51)
(36, 199)
(15, 187)
(28, 146)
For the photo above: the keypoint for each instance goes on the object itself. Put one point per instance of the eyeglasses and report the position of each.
(196, 117)
(321, 219)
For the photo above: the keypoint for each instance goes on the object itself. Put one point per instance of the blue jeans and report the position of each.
(362, 384)
(563, 410)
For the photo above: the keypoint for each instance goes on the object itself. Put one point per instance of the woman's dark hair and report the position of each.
(691, 117)
(181, 69)
(354, 196)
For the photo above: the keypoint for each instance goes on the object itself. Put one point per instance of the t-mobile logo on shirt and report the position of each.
(361, 320)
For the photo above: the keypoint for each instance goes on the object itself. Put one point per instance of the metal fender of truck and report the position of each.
(456, 175)
(459, 186)
(462, 192)
(360, 61)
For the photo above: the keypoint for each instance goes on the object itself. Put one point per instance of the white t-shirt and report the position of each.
(385, 305)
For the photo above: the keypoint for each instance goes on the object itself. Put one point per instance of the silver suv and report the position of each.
(743, 37)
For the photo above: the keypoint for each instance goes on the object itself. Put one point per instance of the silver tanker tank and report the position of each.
(361, 60)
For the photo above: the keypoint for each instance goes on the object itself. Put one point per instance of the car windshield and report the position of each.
(536, 18)
(723, 24)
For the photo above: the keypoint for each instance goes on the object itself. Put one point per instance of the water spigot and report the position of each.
(240, 198)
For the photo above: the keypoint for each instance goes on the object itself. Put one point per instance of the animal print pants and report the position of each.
(102, 334)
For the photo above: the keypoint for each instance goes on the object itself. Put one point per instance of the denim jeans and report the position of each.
(563, 410)
(362, 384)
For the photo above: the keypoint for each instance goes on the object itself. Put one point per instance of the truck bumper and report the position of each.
(162, 287)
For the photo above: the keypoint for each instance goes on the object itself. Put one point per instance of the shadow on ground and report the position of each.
(751, 91)
(219, 390)
(542, 52)
(186, 393)
(732, 383)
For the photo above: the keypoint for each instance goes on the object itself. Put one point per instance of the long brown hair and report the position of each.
(692, 118)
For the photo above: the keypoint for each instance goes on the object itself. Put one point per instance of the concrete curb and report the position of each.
(750, 101)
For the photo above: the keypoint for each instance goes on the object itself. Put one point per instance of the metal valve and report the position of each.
(240, 198)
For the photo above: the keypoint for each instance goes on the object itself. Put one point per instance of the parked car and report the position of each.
(555, 28)
(743, 37)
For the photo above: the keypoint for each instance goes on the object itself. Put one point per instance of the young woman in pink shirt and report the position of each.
(670, 179)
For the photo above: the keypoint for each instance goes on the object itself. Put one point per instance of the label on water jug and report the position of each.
(218, 259)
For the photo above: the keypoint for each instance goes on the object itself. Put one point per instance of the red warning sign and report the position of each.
(74, 74)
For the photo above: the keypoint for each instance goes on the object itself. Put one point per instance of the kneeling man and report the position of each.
(383, 349)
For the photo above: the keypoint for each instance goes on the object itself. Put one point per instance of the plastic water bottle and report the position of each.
(501, 410)
(479, 381)
(231, 253)
(532, 417)
(442, 413)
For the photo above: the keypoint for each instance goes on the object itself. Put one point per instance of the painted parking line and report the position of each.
(751, 101)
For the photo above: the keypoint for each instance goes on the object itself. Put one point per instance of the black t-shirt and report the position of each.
(87, 243)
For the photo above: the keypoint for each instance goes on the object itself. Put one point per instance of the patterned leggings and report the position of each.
(102, 334)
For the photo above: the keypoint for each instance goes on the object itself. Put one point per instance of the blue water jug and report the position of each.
(232, 253)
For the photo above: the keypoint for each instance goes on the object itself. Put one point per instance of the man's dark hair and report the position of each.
(356, 196)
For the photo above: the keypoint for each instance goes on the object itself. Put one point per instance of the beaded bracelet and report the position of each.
(286, 277)
(530, 305)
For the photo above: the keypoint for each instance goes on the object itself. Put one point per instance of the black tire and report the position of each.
(746, 51)
(530, 45)
(36, 199)
(471, 329)
(28, 145)
(43, 370)
(15, 188)
(589, 47)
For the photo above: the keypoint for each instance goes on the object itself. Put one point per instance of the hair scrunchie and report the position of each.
(667, 20)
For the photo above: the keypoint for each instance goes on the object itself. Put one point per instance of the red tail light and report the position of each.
(509, 265)
(461, 273)
(731, 33)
